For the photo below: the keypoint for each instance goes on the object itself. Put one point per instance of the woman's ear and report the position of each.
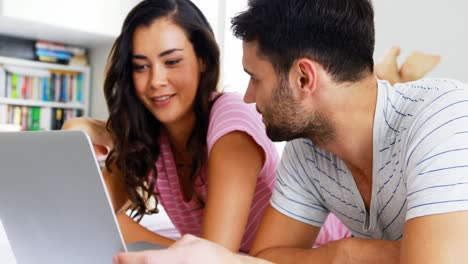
(201, 65)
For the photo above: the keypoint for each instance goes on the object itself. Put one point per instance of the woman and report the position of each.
(203, 155)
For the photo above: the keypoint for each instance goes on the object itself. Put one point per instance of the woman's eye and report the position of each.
(139, 67)
(173, 62)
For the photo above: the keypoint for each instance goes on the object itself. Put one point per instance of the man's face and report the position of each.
(285, 115)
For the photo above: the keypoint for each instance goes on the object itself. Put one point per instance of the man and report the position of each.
(390, 162)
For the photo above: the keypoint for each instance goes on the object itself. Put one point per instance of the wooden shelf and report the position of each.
(25, 102)
(42, 65)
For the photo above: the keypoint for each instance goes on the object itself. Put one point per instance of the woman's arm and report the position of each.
(234, 163)
(131, 230)
(101, 139)
(134, 232)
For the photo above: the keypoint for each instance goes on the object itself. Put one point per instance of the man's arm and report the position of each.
(281, 239)
(437, 168)
(189, 249)
(440, 238)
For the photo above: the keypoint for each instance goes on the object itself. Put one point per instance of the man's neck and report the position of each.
(352, 111)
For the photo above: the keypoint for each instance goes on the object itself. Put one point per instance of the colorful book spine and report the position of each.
(45, 89)
(79, 88)
(14, 85)
(54, 54)
(64, 88)
(36, 119)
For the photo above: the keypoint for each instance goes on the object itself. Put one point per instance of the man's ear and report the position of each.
(305, 75)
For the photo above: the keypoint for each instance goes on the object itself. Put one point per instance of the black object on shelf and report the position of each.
(17, 47)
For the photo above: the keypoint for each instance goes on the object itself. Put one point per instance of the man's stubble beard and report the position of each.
(286, 120)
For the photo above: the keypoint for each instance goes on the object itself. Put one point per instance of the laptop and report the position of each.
(53, 202)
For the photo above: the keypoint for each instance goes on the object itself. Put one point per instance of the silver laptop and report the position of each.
(53, 202)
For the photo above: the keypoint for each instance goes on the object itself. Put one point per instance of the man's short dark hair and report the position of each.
(338, 34)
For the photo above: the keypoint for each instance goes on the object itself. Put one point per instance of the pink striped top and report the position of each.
(229, 113)
(331, 230)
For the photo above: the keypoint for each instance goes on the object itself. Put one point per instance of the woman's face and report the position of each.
(166, 71)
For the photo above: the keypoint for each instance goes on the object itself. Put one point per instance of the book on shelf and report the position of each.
(41, 50)
(36, 118)
(36, 96)
(41, 85)
(45, 121)
(47, 51)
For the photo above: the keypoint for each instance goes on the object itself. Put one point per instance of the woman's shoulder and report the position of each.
(230, 113)
(228, 97)
(231, 103)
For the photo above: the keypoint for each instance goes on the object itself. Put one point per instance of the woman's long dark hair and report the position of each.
(135, 131)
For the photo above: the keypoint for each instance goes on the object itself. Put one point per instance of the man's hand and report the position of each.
(356, 250)
(189, 249)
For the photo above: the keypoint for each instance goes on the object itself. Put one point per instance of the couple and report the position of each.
(389, 161)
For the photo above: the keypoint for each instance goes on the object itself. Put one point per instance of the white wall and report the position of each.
(98, 17)
(98, 59)
(235, 79)
(211, 11)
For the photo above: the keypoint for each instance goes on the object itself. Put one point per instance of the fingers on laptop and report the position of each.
(101, 151)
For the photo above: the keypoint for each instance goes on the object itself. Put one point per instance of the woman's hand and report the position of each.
(96, 130)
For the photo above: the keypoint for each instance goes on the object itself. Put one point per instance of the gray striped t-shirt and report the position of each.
(420, 164)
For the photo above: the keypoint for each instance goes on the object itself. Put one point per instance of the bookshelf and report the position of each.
(41, 96)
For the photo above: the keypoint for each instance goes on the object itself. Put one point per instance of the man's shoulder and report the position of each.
(440, 115)
(432, 90)
(427, 102)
